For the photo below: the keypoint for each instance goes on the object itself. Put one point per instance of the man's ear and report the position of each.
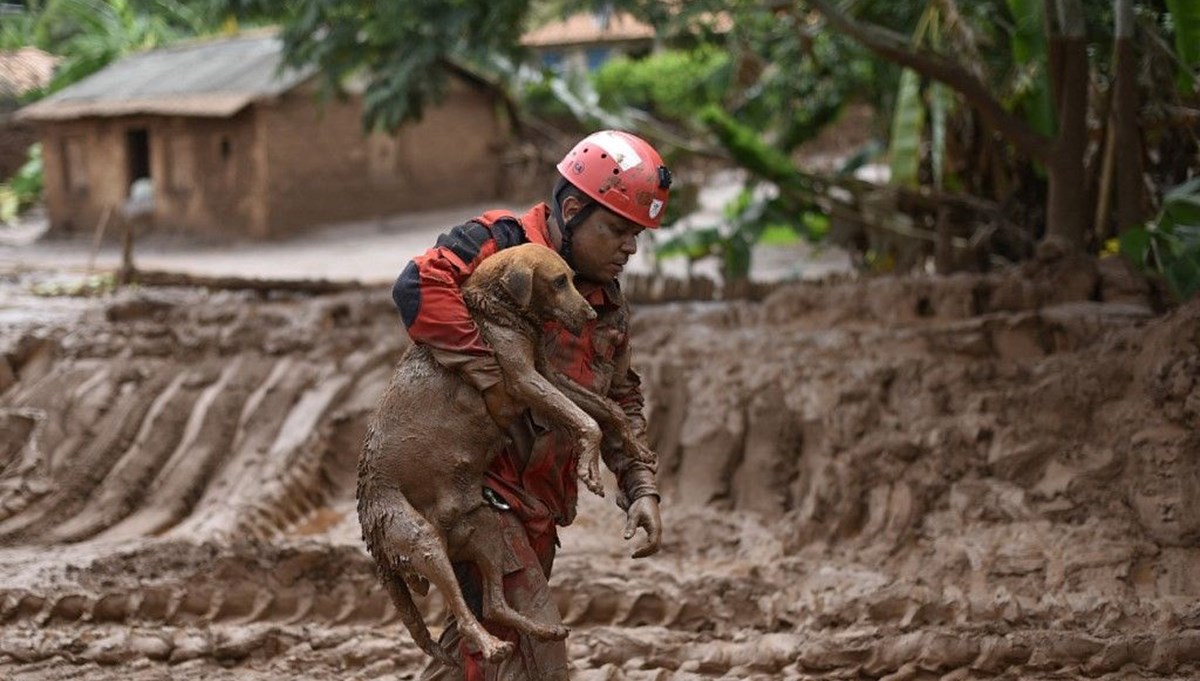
(570, 206)
(518, 281)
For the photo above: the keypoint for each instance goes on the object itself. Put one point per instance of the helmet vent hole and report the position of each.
(616, 171)
(603, 155)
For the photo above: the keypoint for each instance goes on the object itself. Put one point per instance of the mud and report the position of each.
(965, 478)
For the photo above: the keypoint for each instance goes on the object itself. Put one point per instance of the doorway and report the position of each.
(137, 149)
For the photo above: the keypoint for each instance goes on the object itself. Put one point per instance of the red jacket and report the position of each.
(540, 481)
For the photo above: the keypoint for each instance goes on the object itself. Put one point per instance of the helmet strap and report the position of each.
(567, 227)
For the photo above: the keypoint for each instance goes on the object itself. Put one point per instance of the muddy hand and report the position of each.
(643, 513)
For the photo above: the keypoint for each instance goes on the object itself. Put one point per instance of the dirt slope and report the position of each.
(904, 479)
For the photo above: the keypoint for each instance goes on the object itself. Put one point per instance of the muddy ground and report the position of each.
(984, 477)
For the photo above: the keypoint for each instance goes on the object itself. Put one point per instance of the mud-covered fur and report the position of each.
(431, 439)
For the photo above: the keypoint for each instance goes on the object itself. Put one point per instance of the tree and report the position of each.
(1062, 155)
(399, 49)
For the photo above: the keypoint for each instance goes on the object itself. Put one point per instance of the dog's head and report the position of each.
(541, 283)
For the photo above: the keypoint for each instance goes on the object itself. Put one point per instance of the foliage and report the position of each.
(1030, 89)
(908, 124)
(1185, 19)
(755, 215)
(399, 49)
(1170, 245)
(24, 188)
(90, 34)
(673, 84)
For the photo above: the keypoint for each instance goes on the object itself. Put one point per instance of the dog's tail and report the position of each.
(411, 617)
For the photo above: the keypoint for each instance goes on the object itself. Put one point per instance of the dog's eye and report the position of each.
(560, 282)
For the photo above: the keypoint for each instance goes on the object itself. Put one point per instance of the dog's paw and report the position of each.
(548, 632)
(496, 650)
(590, 475)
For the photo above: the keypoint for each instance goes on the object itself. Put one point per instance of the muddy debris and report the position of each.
(958, 478)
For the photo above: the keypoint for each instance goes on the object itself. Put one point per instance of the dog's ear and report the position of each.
(518, 281)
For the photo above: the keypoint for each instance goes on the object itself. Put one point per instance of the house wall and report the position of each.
(321, 168)
(276, 167)
(204, 172)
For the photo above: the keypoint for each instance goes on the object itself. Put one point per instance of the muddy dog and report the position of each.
(430, 441)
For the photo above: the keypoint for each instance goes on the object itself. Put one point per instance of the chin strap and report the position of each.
(568, 228)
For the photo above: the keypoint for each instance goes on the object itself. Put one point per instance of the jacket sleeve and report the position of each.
(429, 296)
(634, 478)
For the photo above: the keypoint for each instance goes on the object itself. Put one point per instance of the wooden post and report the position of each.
(99, 236)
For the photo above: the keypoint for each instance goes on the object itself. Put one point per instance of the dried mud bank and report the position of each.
(966, 478)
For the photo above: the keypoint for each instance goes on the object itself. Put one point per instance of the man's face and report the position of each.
(602, 244)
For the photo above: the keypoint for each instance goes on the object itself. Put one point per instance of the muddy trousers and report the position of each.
(527, 591)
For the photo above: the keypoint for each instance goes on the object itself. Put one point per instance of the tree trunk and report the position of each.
(1125, 118)
(1066, 210)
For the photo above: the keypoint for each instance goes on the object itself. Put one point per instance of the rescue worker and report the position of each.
(613, 186)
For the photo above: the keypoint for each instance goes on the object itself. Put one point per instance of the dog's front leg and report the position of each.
(515, 353)
(609, 415)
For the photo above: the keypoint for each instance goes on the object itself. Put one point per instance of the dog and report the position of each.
(429, 443)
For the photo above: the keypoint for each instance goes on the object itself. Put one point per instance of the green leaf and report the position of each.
(1184, 273)
(1185, 15)
(779, 235)
(907, 126)
(1181, 204)
(693, 245)
(1135, 245)
(1028, 44)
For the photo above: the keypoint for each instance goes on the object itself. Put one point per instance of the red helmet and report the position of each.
(622, 172)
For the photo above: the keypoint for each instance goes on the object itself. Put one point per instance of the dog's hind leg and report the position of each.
(484, 549)
(411, 617)
(409, 538)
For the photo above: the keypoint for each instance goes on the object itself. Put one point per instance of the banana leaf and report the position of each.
(908, 123)
(1185, 15)
(1028, 44)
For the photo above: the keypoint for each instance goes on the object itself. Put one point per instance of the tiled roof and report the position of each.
(588, 28)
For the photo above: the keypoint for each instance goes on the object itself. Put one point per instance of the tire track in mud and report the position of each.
(229, 438)
(711, 623)
(950, 491)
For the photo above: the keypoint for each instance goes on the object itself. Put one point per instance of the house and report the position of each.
(236, 147)
(21, 71)
(584, 41)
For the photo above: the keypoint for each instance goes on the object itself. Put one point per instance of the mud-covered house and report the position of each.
(235, 147)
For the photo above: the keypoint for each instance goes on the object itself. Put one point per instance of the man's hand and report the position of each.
(501, 406)
(643, 513)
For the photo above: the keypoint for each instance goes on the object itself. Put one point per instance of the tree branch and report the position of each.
(894, 47)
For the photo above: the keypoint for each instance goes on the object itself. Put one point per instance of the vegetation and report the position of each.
(1170, 245)
(1005, 123)
(24, 188)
